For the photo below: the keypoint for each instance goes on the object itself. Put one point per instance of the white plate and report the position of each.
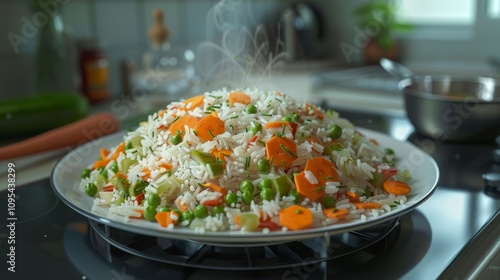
(66, 177)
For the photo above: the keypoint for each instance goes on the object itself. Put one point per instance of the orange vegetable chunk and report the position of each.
(239, 97)
(282, 151)
(195, 101)
(396, 187)
(209, 127)
(165, 219)
(323, 170)
(334, 213)
(367, 205)
(296, 217)
(179, 124)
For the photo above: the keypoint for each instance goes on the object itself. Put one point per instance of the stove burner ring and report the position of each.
(226, 257)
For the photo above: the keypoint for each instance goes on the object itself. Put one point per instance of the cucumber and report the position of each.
(32, 115)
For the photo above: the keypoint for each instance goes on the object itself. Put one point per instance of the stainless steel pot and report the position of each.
(453, 109)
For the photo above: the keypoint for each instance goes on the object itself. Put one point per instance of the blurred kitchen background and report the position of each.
(318, 38)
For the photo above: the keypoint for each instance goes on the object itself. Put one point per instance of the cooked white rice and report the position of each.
(357, 160)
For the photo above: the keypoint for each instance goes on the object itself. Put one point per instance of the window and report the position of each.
(442, 12)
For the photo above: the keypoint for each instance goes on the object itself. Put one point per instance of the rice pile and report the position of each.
(172, 172)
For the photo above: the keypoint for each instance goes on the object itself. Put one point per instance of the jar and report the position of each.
(94, 71)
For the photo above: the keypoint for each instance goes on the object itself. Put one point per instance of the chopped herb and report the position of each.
(293, 154)
(266, 114)
(298, 211)
(151, 149)
(176, 119)
(289, 153)
(397, 203)
(234, 117)
(194, 132)
(328, 177)
(211, 134)
(247, 162)
(279, 100)
(271, 160)
(231, 126)
(283, 127)
(317, 189)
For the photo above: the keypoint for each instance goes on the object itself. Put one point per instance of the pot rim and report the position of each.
(405, 83)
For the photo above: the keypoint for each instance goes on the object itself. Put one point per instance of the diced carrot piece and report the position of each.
(396, 187)
(165, 218)
(282, 151)
(215, 188)
(209, 127)
(239, 97)
(195, 101)
(367, 205)
(179, 124)
(305, 188)
(103, 153)
(296, 217)
(212, 202)
(165, 165)
(353, 197)
(277, 124)
(323, 169)
(334, 213)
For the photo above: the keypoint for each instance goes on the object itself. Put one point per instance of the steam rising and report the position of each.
(234, 55)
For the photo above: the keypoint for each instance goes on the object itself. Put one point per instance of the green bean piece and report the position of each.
(247, 185)
(90, 189)
(150, 213)
(231, 198)
(263, 165)
(335, 132)
(282, 185)
(200, 211)
(85, 173)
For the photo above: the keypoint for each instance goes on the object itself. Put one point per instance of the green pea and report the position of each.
(251, 109)
(255, 128)
(267, 194)
(247, 185)
(187, 215)
(231, 198)
(295, 117)
(165, 209)
(335, 132)
(85, 173)
(114, 167)
(216, 210)
(328, 201)
(265, 184)
(90, 189)
(200, 211)
(263, 165)
(153, 199)
(287, 119)
(176, 139)
(296, 197)
(179, 214)
(150, 213)
(247, 197)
